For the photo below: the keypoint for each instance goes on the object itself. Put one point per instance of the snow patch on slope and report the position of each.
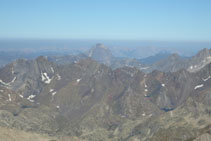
(198, 86)
(9, 96)
(58, 77)
(31, 97)
(9, 83)
(78, 80)
(52, 69)
(53, 93)
(51, 90)
(45, 78)
(13, 70)
(21, 95)
(144, 68)
(206, 78)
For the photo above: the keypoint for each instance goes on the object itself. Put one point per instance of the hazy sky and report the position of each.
(106, 19)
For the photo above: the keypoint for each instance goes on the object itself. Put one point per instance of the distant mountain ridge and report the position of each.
(152, 59)
(162, 61)
(175, 62)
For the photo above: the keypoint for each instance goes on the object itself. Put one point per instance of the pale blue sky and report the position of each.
(106, 19)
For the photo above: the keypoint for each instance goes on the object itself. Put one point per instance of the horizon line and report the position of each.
(98, 39)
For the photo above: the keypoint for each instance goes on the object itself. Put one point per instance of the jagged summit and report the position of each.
(204, 52)
(100, 45)
(99, 49)
(174, 55)
(101, 53)
(201, 59)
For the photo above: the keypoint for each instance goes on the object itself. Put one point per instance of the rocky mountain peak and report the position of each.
(99, 49)
(204, 52)
(101, 54)
(174, 56)
(99, 45)
(201, 59)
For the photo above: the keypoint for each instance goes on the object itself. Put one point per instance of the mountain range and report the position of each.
(97, 96)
